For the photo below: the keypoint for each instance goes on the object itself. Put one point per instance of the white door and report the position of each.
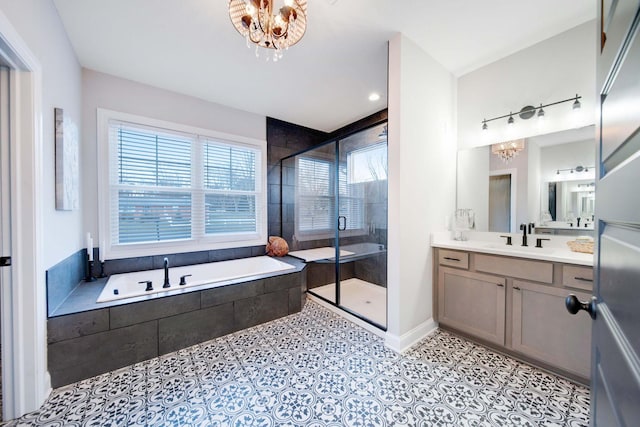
(5, 230)
(615, 360)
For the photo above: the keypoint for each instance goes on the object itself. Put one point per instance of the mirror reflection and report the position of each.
(547, 180)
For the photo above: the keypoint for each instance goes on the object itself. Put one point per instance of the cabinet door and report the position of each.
(544, 330)
(472, 303)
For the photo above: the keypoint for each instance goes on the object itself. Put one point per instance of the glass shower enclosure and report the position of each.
(334, 216)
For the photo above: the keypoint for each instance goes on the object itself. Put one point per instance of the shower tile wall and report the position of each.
(284, 139)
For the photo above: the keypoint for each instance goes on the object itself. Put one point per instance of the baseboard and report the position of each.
(402, 343)
(47, 385)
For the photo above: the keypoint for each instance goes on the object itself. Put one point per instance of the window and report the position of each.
(368, 164)
(315, 205)
(172, 188)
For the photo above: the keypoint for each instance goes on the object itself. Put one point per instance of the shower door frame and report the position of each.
(336, 173)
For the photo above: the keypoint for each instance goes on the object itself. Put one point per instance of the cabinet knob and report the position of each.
(574, 305)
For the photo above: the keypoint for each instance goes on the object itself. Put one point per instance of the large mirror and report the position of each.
(549, 182)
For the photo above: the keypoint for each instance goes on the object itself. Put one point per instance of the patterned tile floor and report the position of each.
(316, 368)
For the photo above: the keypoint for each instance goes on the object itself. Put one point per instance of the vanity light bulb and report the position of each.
(576, 104)
(288, 3)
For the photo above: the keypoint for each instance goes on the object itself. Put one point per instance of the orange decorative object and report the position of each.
(277, 246)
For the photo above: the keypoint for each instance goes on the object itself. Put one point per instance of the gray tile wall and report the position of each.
(284, 139)
(63, 277)
(86, 344)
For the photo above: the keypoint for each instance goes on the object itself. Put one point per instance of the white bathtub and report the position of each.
(127, 285)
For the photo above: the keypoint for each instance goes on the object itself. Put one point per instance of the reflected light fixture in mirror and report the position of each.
(508, 150)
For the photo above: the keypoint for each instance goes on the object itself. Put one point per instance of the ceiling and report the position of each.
(323, 82)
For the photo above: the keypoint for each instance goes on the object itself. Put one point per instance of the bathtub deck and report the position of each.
(106, 336)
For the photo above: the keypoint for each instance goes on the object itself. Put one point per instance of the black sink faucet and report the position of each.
(523, 227)
(166, 273)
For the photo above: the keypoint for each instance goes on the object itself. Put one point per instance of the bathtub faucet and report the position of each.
(166, 273)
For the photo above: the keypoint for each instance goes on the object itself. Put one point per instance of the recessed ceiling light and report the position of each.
(374, 97)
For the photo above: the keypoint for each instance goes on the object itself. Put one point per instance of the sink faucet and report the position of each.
(166, 273)
(523, 227)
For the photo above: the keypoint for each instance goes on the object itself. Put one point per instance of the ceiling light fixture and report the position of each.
(508, 150)
(374, 97)
(528, 111)
(256, 21)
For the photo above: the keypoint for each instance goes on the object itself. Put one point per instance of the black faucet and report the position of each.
(166, 274)
(523, 227)
(578, 222)
(531, 227)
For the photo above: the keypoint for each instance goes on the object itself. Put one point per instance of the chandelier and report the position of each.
(256, 21)
(508, 150)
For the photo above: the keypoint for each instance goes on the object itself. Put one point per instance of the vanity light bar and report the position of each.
(578, 168)
(529, 111)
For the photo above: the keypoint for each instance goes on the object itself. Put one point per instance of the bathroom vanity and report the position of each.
(513, 298)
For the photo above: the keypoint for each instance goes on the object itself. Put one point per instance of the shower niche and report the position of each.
(334, 217)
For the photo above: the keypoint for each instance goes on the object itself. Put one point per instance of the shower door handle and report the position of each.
(342, 225)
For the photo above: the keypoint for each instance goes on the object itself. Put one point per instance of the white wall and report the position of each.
(567, 156)
(472, 183)
(105, 91)
(533, 182)
(38, 24)
(549, 71)
(422, 162)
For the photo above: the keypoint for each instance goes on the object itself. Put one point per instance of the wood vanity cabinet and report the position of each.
(518, 305)
(473, 303)
(543, 329)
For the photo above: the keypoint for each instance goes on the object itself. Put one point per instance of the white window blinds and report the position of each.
(316, 198)
(172, 186)
(151, 186)
(230, 189)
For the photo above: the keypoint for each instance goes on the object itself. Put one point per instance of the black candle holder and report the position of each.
(102, 275)
(89, 277)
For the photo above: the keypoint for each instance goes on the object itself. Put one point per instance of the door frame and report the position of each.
(514, 192)
(25, 380)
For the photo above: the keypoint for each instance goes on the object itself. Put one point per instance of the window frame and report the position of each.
(201, 136)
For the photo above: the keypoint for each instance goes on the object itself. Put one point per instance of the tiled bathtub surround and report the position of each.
(316, 368)
(68, 274)
(88, 343)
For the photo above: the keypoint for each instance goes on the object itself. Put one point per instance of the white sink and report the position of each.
(517, 248)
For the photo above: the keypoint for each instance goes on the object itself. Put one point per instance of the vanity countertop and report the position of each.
(555, 250)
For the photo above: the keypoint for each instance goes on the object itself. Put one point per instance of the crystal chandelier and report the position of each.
(256, 21)
(508, 150)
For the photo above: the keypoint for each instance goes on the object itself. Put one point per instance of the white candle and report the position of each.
(90, 246)
(102, 246)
